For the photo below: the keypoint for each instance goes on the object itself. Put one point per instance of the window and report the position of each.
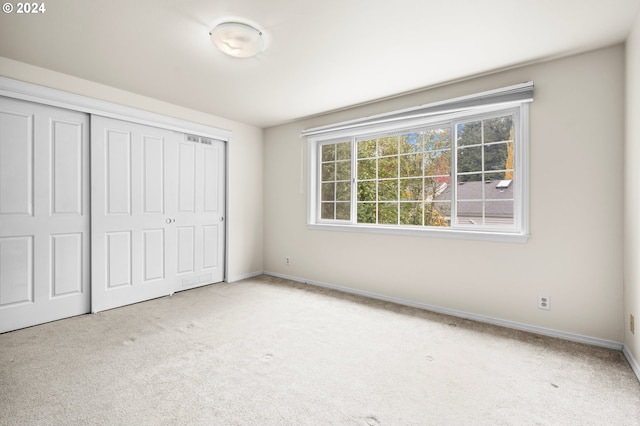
(335, 178)
(455, 173)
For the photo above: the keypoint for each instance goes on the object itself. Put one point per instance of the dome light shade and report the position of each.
(237, 39)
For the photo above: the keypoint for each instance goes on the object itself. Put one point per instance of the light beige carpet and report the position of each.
(267, 351)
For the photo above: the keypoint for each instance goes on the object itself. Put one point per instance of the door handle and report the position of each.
(170, 221)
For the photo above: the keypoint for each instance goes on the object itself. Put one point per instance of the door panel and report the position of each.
(118, 171)
(186, 250)
(66, 168)
(16, 160)
(211, 179)
(187, 177)
(210, 241)
(44, 214)
(154, 256)
(118, 259)
(16, 267)
(154, 172)
(66, 255)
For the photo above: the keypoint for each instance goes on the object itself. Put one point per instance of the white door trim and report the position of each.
(45, 95)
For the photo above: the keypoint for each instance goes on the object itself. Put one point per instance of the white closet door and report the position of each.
(151, 233)
(44, 214)
(132, 168)
(200, 215)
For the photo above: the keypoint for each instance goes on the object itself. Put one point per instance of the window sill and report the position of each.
(460, 234)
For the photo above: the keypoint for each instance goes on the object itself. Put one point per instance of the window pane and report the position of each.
(343, 211)
(469, 133)
(411, 165)
(367, 191)
(498, 129)
(388, 190)
(472, 189)
(367, 149)
(410, 213)
(411, 142)
(469, 213)
(499, 213)
(328, 172)
(495, 157)
(326, 211)
(437, 139)
(367, 169)
(388, 167)
(328, 191)
(343, 191)
(388, 213)
(485, 187)
(470, 159)
(436, 214)
(388, 146)
(335, 166)
(434, 188)
(328, 152)
(411, 189)
(437, 163)
(343, 170)
(343, 151)
(366, 212)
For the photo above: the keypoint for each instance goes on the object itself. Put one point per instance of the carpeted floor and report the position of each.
(267, 351)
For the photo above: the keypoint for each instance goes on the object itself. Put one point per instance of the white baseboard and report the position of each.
(243, 277)
(632, 362)
(461, 314)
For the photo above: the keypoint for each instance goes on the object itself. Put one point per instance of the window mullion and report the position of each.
(377, 205)
(398, 177)
(354, 180)
(454, 175)
(482, 176)
(319, 182)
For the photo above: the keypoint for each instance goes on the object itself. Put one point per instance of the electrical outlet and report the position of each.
(632, 324)
(287, 260)
(544, 302)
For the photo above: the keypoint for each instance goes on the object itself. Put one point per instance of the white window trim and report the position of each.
(520, 235)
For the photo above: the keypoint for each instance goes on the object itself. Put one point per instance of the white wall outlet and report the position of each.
(544, 302)
(287, 260)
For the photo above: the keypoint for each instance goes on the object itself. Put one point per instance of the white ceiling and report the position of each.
(320, 55)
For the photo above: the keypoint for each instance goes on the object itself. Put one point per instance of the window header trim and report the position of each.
(517, 93)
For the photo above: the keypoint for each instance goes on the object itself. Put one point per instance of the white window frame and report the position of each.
(518, 233)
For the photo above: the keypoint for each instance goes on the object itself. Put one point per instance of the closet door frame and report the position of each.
(53, 97)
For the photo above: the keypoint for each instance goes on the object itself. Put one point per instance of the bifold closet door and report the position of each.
(44, 214)
(155, 229)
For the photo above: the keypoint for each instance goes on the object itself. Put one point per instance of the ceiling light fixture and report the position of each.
(237, 39)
